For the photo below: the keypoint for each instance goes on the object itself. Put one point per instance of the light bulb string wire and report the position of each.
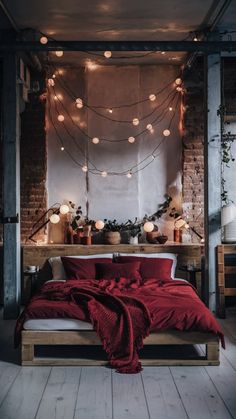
(74, 96)
(157, 119)
(69, 134)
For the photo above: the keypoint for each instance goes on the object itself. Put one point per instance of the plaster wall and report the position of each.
(114, 196)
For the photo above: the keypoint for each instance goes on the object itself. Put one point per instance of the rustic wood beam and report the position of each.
(189, 46)
(11, 187)
(212, 171)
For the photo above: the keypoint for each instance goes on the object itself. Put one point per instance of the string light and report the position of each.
(110, 110)
(178, 81)
(62, 148)
(61, 118)
(163, 52)
(54, 219)
(95, 140)
(131, 140)
(59, 53)
(152, 97)
(107, 54)
(135, 121)
(195, 38)
(79, 103)
(43, 40)
(149, 127)
(166, 132)
(99, 224)
(179, 89)
(129, 175)
(148, 227)
(51, 82)
(104, 174)
(170, 108)
(54, 76)
(85, 168)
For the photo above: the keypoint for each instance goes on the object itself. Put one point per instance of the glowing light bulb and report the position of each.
(59, 53)
(131, 140)
(43, 40)
(104, 174)
(55, 97)
(152, 97)
(107, 54)
(62, 148)
(99, 224)
(61, 118)
(64, 209)
(51, 82)
(110, 110)
(195, 39)
(85, 168)
(95, 140)
(149, 127)
(135, 121)
(178, 81)
(152, 131)
(163, 52)
(54, 76)
(179, 89)
(166, 132)
(129, 175)
(148, 226)
(79, 103)
(54, 219)
(170, 108)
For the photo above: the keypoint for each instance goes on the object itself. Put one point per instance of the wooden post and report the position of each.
(11, 186)
(212, 171)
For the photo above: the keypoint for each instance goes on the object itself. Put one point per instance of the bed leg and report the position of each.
(212, 353)
(27, 354)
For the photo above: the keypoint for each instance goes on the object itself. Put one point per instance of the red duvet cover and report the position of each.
(122, 314)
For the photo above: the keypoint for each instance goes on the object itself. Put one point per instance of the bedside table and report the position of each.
(33, 276)
(191, 270)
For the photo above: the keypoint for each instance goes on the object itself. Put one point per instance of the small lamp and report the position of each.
(54, 218)
(228, 223)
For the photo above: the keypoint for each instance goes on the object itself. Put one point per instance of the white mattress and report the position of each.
(57, 324)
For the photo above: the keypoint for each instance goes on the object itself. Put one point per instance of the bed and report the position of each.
(78, 331)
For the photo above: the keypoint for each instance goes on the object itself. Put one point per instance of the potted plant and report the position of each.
(112, 231)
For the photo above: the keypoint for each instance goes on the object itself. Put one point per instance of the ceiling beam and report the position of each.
(191, 46)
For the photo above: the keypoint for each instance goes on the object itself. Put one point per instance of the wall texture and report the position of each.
(114, 196)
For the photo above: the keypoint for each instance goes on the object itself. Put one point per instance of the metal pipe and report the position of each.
(201, 46)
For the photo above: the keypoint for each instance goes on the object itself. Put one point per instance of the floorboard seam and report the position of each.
(42, 393)
(145, 396)
(112, 403)
(10, 387)
(76, 399)
(178, 392)
(218, 393)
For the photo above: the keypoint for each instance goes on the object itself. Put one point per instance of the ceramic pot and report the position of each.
(133, 240)
(112, 237)
(152, 236)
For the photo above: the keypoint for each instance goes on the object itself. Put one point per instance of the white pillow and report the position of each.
(172, 256)
(58, 271)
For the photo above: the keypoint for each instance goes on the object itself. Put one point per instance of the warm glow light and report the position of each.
(79, 103)
(104, 174)
(107, 54)
(129, 175)
(131, 140)
(62, 148)
(152, 97)
(54, 219)
(110, 110)
(178, 81)
(95, 140)
(170, 108)
(85, 168)
(148, 227)
(163, 52)
(54, 76)
(59, 53)
(179, 89)
(135, 121)
(195, 39)
(43, 40)
(152, 131)
(51, 82)
(166, 132)
(64, 209)
(149, 127)
(99, 224)
(60, 118)
(91, 65)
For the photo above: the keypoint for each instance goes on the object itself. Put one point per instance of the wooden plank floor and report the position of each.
(100, 393)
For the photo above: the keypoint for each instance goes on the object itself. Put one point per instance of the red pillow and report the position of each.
(159, 268)
(82, 268)
(118, 270)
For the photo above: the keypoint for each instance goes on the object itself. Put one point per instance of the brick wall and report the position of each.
(33, 165)
(193, 149)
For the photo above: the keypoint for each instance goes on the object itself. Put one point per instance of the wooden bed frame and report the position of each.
(30, 339)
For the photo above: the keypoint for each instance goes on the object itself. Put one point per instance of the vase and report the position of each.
(133, 240)
(152, 236)
(112, 237)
